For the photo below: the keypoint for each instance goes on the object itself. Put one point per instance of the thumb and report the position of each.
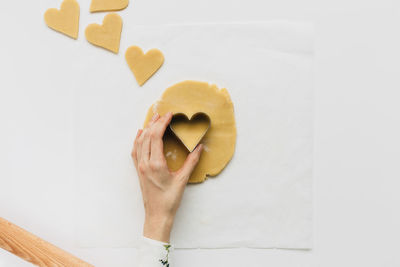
(191, 162)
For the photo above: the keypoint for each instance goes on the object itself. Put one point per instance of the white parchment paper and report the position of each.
(263, 198)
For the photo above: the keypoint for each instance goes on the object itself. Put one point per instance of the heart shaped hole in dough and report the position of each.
(190, 132)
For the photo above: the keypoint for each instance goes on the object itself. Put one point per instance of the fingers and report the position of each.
(134, 150)
(148, 147)
(161, 125)
(145, 155)
(190, 163)
(157, 133)
(154, 119)
(142, 138)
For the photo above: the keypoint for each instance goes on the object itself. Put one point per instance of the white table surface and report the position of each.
(357, 130)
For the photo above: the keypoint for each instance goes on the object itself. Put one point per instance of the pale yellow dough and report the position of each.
(108, 5)
(65, 20)
(189, 98)
(143, 65)
(107, 35)
(190, 132)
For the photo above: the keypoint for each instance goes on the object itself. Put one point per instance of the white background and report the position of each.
(357, 129)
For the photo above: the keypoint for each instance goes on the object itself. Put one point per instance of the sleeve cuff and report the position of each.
(154, 253)
(153, 242)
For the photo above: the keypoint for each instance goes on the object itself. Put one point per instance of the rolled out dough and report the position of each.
(65, 20)
(190, 98)
(107, 35)
(108, 5)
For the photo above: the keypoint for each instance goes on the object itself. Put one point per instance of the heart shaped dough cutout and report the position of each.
(65, 20)
(143, 65)
(108, 5)
(107, 35)
(190, 132)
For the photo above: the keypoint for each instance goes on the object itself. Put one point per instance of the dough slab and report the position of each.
(107, 35)
(108, 5)
(142, 65)
(65, 20)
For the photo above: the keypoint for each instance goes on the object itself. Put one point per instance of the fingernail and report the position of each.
(154, 117)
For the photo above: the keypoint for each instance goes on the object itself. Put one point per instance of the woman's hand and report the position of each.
(162, 189)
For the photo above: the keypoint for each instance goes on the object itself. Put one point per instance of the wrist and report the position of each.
(158, 227)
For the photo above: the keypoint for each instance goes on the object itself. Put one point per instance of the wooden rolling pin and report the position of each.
(34, 249)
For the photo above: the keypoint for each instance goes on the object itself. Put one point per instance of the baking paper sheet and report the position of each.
(263, 199)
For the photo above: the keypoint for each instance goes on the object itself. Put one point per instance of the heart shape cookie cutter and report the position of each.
(190, 131)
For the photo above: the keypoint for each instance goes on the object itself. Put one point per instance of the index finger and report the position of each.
(157, 133)
(159, 127)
